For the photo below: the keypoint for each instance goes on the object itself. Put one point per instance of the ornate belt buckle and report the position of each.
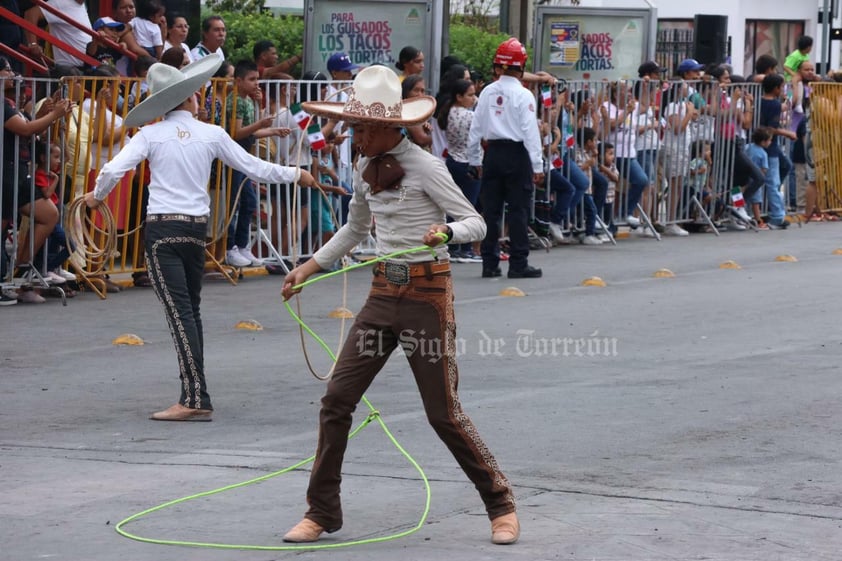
(396, 273)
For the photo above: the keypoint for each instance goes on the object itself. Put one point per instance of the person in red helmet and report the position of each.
(505, 121)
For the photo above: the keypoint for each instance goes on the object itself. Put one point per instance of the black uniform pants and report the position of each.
(175, 261)
(506, 179)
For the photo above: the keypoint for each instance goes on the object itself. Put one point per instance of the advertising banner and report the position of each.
(593, 46)
(369, 32)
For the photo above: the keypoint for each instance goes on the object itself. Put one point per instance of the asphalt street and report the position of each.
(685, 418)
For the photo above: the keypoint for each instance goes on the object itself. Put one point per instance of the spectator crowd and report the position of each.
(657, 155)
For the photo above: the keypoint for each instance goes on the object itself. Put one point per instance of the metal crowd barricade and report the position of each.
(826, 120)
(653, 130)
(93, 134)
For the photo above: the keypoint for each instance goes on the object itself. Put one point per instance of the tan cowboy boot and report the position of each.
(303, 532)
(505, 529)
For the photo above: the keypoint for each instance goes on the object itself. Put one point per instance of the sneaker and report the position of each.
(556, 233)
(30, 297)
(235, 259)
(528, 272)
(65, 274)
(472, 257)
(53, 278)
(740, 213)
(8, 297)
(675, 230)
(739, 226)
(253, 260)
(591, 240)
(782, 226)
(504, 256)
(458, 257)
(633, 221)
(643, 232)
(604, 238)
(491, 273)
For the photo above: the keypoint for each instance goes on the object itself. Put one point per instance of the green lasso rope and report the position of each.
(373, 414)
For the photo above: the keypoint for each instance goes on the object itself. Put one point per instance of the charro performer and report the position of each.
(180, 150)
(408, 192)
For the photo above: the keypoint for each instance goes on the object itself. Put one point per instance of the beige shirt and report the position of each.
(402, 216)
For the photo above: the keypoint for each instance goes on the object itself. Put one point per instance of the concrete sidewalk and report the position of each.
(698, 419)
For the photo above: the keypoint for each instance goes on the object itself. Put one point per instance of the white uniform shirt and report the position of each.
(506, 111)
(68, 33)
(180, 150)
(427, 195)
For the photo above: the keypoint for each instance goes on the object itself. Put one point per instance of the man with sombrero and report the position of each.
(180, 150)
(408, 193)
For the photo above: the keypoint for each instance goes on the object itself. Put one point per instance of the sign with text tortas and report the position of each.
(369, 32)
(593, 46)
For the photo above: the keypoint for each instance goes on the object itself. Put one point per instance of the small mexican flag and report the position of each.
(569, 140)
(299, 115)
(315, 136)
(557, 161)
(737, 198)
(546, 96)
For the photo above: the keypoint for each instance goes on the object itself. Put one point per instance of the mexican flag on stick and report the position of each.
(299, 115)
(547, 96)
(737, 198)
(315, 136)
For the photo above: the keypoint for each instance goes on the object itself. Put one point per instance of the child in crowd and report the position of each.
(147, 27)
(679, 112)
(246, 128)
(801, 54)
(585, 157)
(608, 168)
(322, 208)
(761, 138)
(779, 164)
(136, 90)
(47, 169)
(106, 28)
(560, 187)
(700, 164)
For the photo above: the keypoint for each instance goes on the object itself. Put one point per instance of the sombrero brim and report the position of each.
(413, 112)
(165, 100)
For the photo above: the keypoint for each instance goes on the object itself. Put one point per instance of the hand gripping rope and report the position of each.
(373, 415)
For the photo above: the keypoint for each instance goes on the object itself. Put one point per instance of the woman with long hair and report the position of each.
(455, 119)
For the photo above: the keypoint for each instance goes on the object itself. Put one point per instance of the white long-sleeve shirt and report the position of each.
(506, 111)
(427, 195)
(180, 150)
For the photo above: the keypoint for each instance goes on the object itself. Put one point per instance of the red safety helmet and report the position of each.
(511, 53)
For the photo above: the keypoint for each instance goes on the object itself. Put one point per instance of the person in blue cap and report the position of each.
(340, 67)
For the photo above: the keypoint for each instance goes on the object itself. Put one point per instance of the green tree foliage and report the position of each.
(244, 30)
(235, 6)
(473, 44)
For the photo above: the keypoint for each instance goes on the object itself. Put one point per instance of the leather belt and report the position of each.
(398, 272)
(179, 217)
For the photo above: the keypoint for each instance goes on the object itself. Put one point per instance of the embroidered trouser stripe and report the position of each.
(419, 317)
(175, 260)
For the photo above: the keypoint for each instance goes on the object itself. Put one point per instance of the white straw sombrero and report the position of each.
(169, 87)
(375, 98)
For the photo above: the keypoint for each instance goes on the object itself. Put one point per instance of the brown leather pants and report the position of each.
(419, 317)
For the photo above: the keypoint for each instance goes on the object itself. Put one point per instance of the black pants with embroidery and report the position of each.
(175, 260)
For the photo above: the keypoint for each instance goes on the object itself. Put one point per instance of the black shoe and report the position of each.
(490, 273)
(528, 272)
